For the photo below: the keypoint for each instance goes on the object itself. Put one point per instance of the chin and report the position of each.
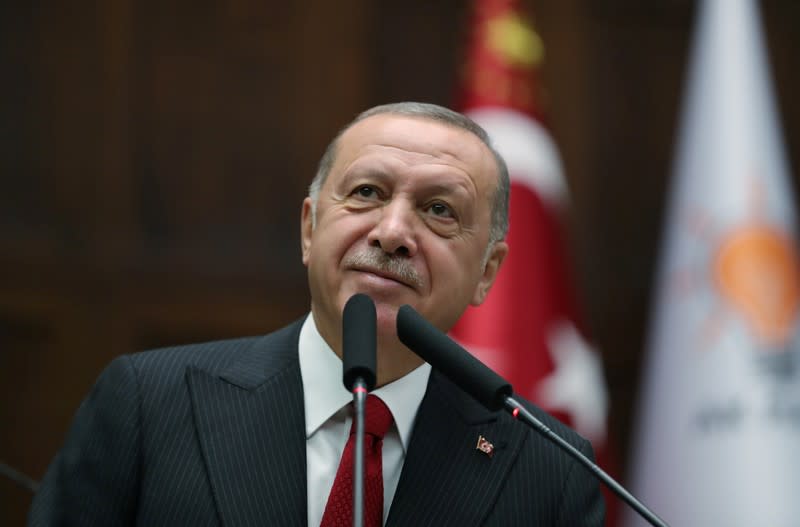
(387, 318)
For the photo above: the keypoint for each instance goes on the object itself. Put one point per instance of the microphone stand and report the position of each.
(521, 414)
(359, 403)
(491, 390)
(359, 356)
(18, 477)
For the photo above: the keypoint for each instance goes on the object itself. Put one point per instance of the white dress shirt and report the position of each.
(329, 416)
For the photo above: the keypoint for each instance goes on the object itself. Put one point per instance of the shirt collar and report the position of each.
(324, 394)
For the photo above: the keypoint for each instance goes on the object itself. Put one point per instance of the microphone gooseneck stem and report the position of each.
(359, 403)
(520, 413)
(18, 477)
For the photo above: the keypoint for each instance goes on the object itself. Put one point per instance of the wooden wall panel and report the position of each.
(636, 69)
(415, 49)
(24, 342)
(230, 120)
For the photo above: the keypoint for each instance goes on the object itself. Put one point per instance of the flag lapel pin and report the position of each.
(485, 446)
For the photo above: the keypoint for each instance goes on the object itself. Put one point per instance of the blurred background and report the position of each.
(154, 156)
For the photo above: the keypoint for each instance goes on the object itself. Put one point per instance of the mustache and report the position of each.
(394, 266)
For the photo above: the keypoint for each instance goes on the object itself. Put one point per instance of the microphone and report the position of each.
(457, 364)
(491, 390)
(359, 342)
(359, 350)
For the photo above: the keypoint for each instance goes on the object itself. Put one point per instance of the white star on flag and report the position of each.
(576, 385)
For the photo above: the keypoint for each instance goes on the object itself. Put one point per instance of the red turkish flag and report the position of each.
(528, 328)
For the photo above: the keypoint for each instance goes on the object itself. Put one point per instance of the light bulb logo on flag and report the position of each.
(757, 270)
(754, 269)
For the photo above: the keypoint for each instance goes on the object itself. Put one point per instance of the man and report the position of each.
(410, 207)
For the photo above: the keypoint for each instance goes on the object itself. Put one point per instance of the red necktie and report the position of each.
(339, 509)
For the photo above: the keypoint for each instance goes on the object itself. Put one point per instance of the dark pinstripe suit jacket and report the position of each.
(214, 434)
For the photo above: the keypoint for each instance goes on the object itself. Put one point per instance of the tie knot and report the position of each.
(378, 417)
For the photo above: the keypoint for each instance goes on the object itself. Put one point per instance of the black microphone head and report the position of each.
(456, 363)
(359, 341)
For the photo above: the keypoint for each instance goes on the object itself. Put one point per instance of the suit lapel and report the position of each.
(250, 423)
(446, 480)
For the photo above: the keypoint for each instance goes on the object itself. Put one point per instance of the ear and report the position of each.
(306, 229)
(496, 257)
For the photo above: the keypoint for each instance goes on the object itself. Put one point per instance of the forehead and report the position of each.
(416, 140)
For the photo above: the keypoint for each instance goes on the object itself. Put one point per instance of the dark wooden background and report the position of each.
(154, 155)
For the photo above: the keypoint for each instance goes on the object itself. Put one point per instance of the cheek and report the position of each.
(459, 268)
(332, 240)
(452, 270)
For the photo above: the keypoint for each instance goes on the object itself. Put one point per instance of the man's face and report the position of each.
(403, 217)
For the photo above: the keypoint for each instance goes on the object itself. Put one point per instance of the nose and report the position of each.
(395, 231)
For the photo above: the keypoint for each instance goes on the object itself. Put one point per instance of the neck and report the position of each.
(394, 359)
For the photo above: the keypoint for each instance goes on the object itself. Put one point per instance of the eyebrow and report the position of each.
(441, 188)
(372, 172)
(458, 187)
(368, 172)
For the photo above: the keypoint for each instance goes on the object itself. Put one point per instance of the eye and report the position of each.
(441, 210)
(366, 191)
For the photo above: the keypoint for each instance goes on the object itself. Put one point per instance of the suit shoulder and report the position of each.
(210, 356)
(204, 354)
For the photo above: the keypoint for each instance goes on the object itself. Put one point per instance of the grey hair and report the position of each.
(500, 198)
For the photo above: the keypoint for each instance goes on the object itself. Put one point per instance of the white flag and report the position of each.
(718, 438)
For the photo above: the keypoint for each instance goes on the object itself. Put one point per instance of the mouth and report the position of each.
(385, 275)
